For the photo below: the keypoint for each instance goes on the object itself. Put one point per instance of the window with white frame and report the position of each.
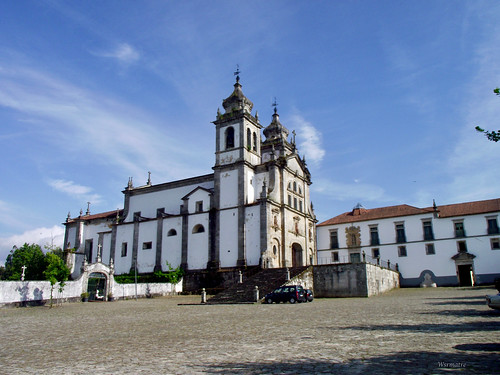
(429, 249)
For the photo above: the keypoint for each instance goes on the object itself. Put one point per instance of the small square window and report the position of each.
(462, 246)
(335, 256)
(147, 245)
(375, 253)
(124, 249)
(402, 251)
(199, 206)
(495, 244)
(429, 249)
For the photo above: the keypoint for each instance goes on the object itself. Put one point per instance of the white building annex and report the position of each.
(457, 244)
(254, 209)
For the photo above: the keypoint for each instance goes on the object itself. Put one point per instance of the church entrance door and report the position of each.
(465, 275)
(97, 286)
(297, 260)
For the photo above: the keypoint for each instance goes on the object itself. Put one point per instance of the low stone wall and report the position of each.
(20, 293)
(353, 280)
(306, 279)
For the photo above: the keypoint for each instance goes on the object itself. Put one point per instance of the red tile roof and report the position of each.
(451, 210)
(102, 215)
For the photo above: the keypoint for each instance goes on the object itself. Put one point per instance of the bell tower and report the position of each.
(237, 153)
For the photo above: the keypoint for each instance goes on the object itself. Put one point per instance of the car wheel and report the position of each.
(269, 301)
(292, 300)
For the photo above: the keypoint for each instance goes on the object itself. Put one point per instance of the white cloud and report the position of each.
(116, 133)
(124, 53)
(41, 236)
(74, 190)
(309, 139)
(355, 192)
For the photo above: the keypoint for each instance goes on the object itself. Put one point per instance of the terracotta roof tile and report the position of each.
(102, 215)
(459, 209)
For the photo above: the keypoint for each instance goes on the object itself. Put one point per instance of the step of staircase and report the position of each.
(266, 279)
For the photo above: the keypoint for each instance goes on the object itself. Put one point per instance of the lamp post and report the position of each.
(135, 277)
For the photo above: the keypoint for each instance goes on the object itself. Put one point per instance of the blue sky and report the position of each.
(384, 97)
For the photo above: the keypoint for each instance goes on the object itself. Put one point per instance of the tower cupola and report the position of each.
(275, 130)
(237, 100)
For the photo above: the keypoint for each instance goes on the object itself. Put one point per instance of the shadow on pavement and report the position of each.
(438, 327)
(466, 312)
(414, 363)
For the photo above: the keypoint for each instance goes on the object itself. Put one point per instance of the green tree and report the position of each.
(56, 272)
(491, 135)
(27, 255)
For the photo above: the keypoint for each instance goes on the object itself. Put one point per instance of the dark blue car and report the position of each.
(289, 293)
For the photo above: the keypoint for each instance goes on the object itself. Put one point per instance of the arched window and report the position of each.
(289, 185)
(172, 232)
(300, 190)
(229, 137)
(198, 228)
(254, 141)
(249, 139)
(294, 186)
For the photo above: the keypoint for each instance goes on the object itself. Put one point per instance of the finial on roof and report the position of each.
(130, 185)
(88, 209)
(237, 73)
(68, 217)
(81, 212)
(275, 105)
(149, 179)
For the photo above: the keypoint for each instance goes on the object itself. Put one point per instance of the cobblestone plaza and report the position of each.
(406, 331)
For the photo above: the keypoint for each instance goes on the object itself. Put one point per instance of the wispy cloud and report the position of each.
(74, 190)
(355, 192)
(124, 53)
(41, 236)
(309, 139)
(106, 129)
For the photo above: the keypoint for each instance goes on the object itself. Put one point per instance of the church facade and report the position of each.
(254, 209)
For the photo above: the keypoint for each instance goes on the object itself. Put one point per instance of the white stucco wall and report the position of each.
(146, 258)
(416, 261)
(197, 242)
(229, 189)
(124, 233)
(228, 238)
(170, 199)
(252, 236)
(172, 245)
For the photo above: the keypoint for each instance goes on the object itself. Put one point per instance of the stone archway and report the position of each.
(297, 255)
(97, 286)
(98, 276)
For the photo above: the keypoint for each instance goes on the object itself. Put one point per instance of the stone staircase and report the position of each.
(266, 279)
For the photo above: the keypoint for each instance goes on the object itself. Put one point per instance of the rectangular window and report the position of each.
(429, 249)
(402, 251)
(88, 250)
(300, 206)
(334, 240)
(428, 232)
(295, 203)
(495, 244)
(400, 233)
(375, 253)
(493, 226)
(147, 245)
(459, 229)
(289, 200)
(335, 256)
(355, 257)
(124, 249)
(374, 240)
(462, 246)
(199, 206)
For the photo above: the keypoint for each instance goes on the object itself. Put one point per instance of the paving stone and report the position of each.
(406, 331)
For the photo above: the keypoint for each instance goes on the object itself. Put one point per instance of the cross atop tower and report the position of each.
(275, 105)
(237, 72)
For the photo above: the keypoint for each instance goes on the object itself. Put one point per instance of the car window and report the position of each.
(292, 289)
(277, 290)
(285, 290)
